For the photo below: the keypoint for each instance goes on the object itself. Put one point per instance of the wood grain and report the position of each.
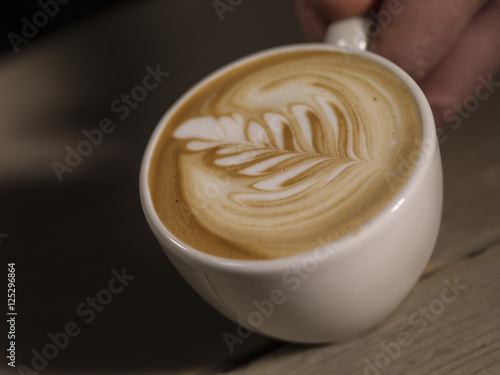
(471, 170)
(439, 332)
(465, 338)
(67, 237)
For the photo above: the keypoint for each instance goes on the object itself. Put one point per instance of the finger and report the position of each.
(315, 15)
(336, 9)
(417, 34)
(313, 26)
(463, 79)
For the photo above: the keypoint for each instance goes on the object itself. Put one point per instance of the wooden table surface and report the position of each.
(70, 238)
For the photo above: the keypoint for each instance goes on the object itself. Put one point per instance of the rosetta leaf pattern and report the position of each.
(313, 147)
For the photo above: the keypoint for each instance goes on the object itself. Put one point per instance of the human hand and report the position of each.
(450, 47)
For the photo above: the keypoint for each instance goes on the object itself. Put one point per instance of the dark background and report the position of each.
(13, 12)
(67, 237)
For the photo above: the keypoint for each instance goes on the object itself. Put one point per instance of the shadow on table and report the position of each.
(71, 239)
(92, 280)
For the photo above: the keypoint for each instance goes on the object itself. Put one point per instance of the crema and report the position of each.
(282, 153)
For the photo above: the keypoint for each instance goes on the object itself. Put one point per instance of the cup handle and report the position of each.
(349, 33)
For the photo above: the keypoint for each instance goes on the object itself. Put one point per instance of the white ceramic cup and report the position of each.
(341, 288)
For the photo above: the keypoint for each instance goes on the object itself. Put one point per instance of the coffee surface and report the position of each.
(283, 154)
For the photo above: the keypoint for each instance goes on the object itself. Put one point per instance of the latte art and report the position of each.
(274, 157)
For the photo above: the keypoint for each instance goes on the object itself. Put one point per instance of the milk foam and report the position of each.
(284, 154)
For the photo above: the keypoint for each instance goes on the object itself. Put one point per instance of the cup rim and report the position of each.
(263, 265)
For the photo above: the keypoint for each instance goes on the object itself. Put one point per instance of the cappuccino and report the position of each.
(274, 156)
